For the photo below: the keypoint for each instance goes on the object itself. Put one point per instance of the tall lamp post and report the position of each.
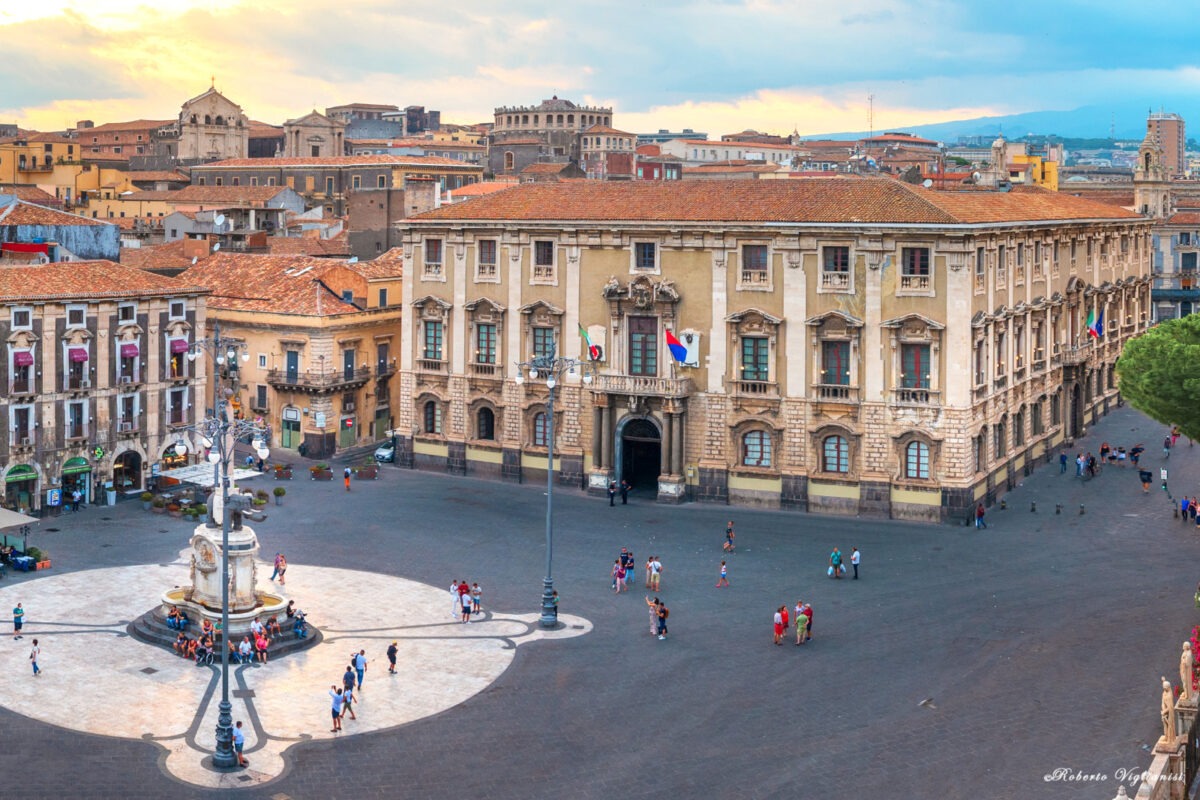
(552, 368)
(219, 433)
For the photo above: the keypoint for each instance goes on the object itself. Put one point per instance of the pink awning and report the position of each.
(23, 358)
(77, 353)
(179, 345)
(129, 350)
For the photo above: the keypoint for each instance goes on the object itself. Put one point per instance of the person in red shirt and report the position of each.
(808, 612)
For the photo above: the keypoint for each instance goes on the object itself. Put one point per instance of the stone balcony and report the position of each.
(644, 385)
(316, 382)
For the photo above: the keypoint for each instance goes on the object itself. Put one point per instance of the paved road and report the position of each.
(1039, 640)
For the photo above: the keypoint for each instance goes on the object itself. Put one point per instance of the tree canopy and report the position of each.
(1159, 373)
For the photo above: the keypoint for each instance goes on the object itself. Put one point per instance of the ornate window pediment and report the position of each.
(910, 322)
(27, 339)
(753, 322)
(432, 307)
(485, 310)
(541, 313)
(834, 319)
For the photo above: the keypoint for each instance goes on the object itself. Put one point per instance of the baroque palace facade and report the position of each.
(852, 345)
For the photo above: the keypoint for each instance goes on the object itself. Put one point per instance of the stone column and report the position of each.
(606, 442)
(677, 444)
(664, 446)
(597, 436)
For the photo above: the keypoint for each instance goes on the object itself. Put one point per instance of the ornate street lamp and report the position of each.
(551, 369)
(219, 433)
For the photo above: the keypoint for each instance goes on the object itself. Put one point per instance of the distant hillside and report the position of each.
(1083, 122)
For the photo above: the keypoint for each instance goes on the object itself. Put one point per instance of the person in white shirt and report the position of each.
(656, 569)
(33, 657)
(854, 559)
(246, 650)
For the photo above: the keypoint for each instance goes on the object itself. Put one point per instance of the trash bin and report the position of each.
(110, 493)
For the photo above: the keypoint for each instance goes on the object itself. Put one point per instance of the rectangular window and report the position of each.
(219, 181)
(645, 255)
(271, 182)
(485, 343)
(383, 298)
(356, 181)
(22, 319)
(1020, 254)
(1035, 418)
(755, 358)
(254, 181)
(329, 186)
(126, 312)
(543, 260)
(643, 345)
(381, 182)
(914, 269)
(835, 267)
(262, 360)
(235, 181)
(487, 257)
(260, 395)
(433, 341)
(914, 366)
(754, 264)
(543, 342)
(433, 256)
(76, 420)
(756, 449)
(76, 317)
(980, 362)
(176, 310)
(1000, 351)
(835, 363)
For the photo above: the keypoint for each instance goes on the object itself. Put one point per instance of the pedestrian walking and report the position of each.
(1193, 510)
(630, 564)
(618, 575)
(653, 614)
(979, 514)
(724, 579)
(1135, 453)
(348, 675)
(729, 537)
(464, 601)
(625, 487)
(1167, 447)
(1174, 435)
(855, 558)
(275, 572)
(779, 625)
(835, 564)
(663, 613)
(391, 657)
(1183, 508)
(1145, 476)
(612, 493)
(33, 658)
(808, 614)
(76, 498)
(1079, 464)
(454, 604)
(335, 694)
(282, 569)
(1062, 462)
(656, 570)
(360, 666)
(346, 478)
(801, 623)
(649, 561)
(18, 621)
(787, 623)
(348, 703)
(239, 741)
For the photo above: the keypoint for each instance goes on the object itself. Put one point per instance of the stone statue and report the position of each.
(211, 520)
(1187, 666)
(1168, 713)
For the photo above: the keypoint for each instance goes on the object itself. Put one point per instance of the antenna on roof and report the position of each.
(871, 116)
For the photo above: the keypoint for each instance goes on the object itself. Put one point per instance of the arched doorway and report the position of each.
(639, 453)
(1075, 418)
(127, 472)
(20, 488)
(77, 474)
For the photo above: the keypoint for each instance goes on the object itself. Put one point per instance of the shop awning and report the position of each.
(23, 358)
(179, 345)
(202, 474)
(21, 472)
(11, 519)
(75, 466)
(77, 353)
(129, 350)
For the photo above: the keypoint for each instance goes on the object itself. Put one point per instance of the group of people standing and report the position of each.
(343, 696)
(466, 599)
(803, 619)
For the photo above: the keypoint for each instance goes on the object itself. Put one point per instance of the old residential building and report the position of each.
(95, 378)
(851, 345)
(322, 337)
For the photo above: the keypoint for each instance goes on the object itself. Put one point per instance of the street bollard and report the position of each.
(1003, 504)
(1081, 509)
(1058, 508)
(1033, 508)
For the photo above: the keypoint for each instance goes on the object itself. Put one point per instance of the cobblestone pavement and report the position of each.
(1036, 644)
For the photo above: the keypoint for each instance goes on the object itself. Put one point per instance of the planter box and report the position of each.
(43, 564)
(175, 514)
(322, 475)
(158, 509)
(278, 501)
(283, 474)
(367, 473)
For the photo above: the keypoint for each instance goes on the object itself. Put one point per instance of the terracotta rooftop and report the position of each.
(749, 147)
(804, 200)
(156, 175)
(232, 195)
(133, 125)
(389, 264)
(87, 279)
(372, 160)
(21, 213)
(900, 138)
(335, 246)
(425, 144)
(546, 169)
(1184, 218)
(734, 166)
(1121, 198)
(272, 283)
(159, 256)
(30, 194)
(595, 129)
(481, 188)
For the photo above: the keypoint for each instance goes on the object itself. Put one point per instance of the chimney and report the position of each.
(84, 123)
(420, 195)
(195, 248)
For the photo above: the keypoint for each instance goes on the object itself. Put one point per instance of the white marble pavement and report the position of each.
(98, 679)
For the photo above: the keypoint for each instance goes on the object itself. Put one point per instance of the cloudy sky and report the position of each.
(711, 65)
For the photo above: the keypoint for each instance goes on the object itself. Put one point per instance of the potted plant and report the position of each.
(279, 493)
(367, 472)
(158, 505)
(40, 557)
(174, 510)
(146, 498)
(321, 472)
(283, 472)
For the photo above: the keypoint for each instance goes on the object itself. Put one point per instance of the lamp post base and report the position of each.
(224, 757)
(549, 618)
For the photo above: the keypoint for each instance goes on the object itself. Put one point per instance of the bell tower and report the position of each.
(1151, 189)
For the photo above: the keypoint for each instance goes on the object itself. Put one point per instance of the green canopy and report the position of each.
(21, 472)
(74, 466)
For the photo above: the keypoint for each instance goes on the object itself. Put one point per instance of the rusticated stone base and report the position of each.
(874, 499)
(713, 486)
(510, 465)
(794, 493)
(456, 458)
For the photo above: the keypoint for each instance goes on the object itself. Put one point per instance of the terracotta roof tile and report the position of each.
(1184, 218)
(333, 247)
(803, 200)
(481, 188)
(132, 125)
(274, 283)
(22, 213)
(87, 279)
(233, 195)
(156, 175)
(159, 256)
(389, 264)
(546, 168)
(31, 194)
(595, 129)
(370, 160)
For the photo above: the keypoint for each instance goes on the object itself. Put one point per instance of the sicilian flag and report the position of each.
(593, 350)
(1095, 324)
(678, 351)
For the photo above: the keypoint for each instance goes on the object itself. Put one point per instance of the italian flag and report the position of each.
(593, 350)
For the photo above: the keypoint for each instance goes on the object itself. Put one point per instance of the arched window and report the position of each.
(433, 417)
(916, 460)
(756, 449)
(541, 433)
(208, 119)
(193, 119)
(836, 454)
(220, 120)
(485, 424)
(509, 159)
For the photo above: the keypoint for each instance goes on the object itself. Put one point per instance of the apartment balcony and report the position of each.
(176, 418)
(906, 396)
(1181, 286)
(75, 383)
(835, 281)
(318, 382)
(437, 366)
(742, 388)
(385, 370)
(835, 393)
(486, 371)
(22, 441)
(643, 385)
(35, 166)
(128, 427)
(915, 283)
(21, 386)
(1074, 356)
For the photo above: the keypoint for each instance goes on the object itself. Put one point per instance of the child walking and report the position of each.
(724, 580)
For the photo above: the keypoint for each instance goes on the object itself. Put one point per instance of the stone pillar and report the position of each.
(606, 442)
(677, 444)
(664, 447)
